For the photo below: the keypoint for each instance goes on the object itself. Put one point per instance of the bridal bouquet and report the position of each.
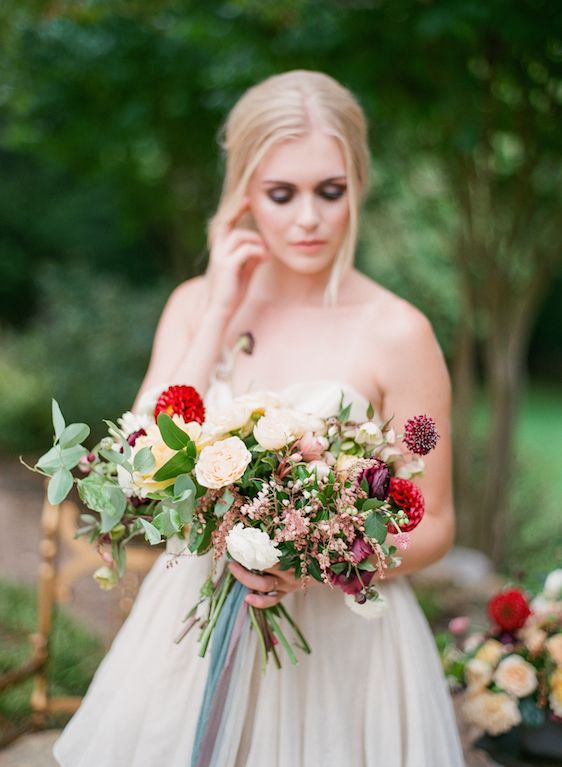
(512, 671)
(256, 481)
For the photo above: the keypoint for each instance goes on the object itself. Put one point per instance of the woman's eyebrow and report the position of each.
(288, 183)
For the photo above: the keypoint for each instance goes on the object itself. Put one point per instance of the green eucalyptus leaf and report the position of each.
(375, 527)
(144, 460)
(224, 503)
(152, 534)
(59, 486)
(171, 433)
(70, 456)
(167, 522)
(113, 456)
(50, 461)
(184, 485)
(58, 419)
(73, 434)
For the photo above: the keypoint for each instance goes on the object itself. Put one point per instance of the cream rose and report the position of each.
(516, 676)
(260, 401)
(534, 639)
(494, 712)
(491, 652)
(555, 697)
(369, 434)
(477, 674)
(251, 547)
(222, 463)
(554, 647)
(278, 428)
(232, 417)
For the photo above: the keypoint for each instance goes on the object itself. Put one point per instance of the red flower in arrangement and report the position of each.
(409, 497)
(181, 400)
(509, 609)
(353, 583)
(420, 434)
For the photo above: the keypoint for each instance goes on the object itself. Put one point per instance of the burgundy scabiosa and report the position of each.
(420, 434)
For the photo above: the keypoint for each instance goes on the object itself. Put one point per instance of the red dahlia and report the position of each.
(420, 434)
(409, 497)
(181, 400)
(509, 610)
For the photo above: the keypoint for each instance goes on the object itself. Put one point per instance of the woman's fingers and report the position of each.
(253, 581)
(262, 601)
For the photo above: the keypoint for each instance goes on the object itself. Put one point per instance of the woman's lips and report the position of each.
(309, 246)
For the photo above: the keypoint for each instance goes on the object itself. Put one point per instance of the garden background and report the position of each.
(109, 120)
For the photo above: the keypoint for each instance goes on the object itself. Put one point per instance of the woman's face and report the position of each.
(298, 197)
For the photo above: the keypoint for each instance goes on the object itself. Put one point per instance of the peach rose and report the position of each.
(533, 639)
(277, 429)
(554, 647)
(477, 673)
(222, 463)
(555, 697)
(491, 652)
(494, 712)
(516, 676)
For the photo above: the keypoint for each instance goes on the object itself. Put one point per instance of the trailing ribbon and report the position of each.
(229, 645)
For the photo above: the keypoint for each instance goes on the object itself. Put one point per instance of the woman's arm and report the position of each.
(416, 381)
(188, 339)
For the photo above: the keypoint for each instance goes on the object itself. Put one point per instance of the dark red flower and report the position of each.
(181, 400)
(360, 550)
(509, 609)
(408, 497)
(378, 479)
(351, 584)
(420, 434)
(132, 438)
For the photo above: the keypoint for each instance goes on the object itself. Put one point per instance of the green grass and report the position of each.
(75, 654)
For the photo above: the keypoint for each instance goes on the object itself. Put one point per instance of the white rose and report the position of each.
(260, 401)
(494, 712)
(276, 429)
(477, 673)
(251, 547)
(222, 420)
(369, 434)
(553, 585)
(491, 652)
(372, 608)
(516, 676)
(129, 422)
(222, 463)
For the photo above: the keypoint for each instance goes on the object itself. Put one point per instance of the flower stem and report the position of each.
(259, 634)
(281, 636)
(304, 646)
(225, 588)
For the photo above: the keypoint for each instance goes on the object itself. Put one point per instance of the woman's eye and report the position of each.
(280, 195)
(332, 192)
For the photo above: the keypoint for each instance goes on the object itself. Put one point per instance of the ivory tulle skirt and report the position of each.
(371, 694)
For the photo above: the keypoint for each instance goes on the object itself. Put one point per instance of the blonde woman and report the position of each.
(282, 243)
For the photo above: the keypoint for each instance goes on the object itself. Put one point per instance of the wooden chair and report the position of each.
(56, 577)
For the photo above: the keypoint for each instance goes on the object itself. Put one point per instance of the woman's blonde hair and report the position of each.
(288, 106)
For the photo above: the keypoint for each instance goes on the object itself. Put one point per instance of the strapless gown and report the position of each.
(371, 694)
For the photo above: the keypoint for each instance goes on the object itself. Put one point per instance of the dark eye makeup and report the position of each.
(329, 191)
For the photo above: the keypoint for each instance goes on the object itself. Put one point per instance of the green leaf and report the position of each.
(144, 460)
(200, 542)
(73, 434)
(344, 413)
(171, 433)
(59, 486)
(58, 420)
(178, 464)
(116, 432)
(184, 485)
(224, 503)
(371, 503)
(366, 565)
(71, 456)
(338, 567)
(370, 411)
(530, 713)
(167, 522)
(50, 461)
(375, 527)
(112, 513)
(152, 534)
(314, 569)
(113, 456)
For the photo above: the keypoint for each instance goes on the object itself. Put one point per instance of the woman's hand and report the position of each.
(274, 579)
(234, 256)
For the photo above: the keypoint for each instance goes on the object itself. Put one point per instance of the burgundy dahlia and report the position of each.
(420, 434)
(352, 584)
(181, 400)
(360, 550)
(408, 497)
(378, 479)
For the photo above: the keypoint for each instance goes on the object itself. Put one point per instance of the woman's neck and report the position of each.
(273, 282)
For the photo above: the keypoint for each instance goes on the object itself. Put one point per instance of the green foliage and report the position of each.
(75, 652)
(89, 347)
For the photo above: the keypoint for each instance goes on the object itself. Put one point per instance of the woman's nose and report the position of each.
(307, 213)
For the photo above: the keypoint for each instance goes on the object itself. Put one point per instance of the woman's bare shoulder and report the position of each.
(187, 299)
